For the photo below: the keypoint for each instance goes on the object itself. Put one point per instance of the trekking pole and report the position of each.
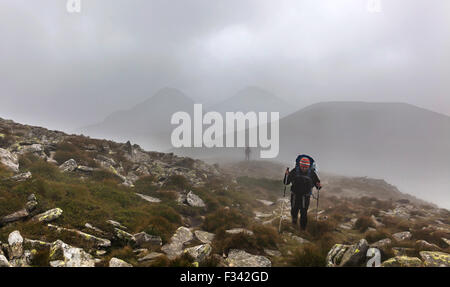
(317, 207)
(282, 203)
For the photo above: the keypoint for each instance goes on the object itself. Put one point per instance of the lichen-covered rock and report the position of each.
(193, 200)
(116, 262)
(68, 166)
(435, 259)
(49, 215)
(240, 258)
(356, 254)
(335, 254)
(204, 237)
(402, 261)
(9, 160)
(124, 236)
(144, 238)
(200, 252)
(64, 255)
(175, 247)
(96, 241)
(400, 236)
(4, 262)
(15, 242)
(424, 245)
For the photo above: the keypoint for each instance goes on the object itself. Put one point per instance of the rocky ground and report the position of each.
(68, 200)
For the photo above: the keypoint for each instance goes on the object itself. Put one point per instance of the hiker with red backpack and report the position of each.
(303, 178)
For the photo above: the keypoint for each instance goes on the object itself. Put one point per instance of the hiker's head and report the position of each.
(304, 164)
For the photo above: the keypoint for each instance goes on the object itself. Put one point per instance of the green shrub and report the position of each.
(177, 182)
(309, 255)
(374, 236)
(363, 223)
(224, 219)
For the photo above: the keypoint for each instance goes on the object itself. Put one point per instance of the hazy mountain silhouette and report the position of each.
(253, 99)
(147, 123)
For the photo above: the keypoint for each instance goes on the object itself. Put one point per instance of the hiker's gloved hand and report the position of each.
(318, 185)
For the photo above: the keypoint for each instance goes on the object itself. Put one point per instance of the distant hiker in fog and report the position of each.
(303, 178)
(247, 153)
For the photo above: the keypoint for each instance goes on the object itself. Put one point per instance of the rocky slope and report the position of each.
(68, 200)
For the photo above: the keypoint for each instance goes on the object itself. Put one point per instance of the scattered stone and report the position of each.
(21, 177)
(116, 262)
(124, 236)
(64, 255)
(299, 239)
(200, 252)
(266, 202)
(239, 230)
(424, 245)
(356, 254)
(90, 226)
(31, 197)
(150, 256)
(334, 256)
(345, 226)
(144, 238)
(97, 241)
(36, 244)
(100, 252)
(116, 224)
(16, 216)
(149, 198)
(9, 160)
(4, 262)
(446, 241)
(175, 247)
(240, 258)
(31, 205)
(194, 200)
(15, 241)
(68, 166)
(400, 236)
(49, 215)
(273, 253)
(382, 243)
(435, 259)
(402, 261)
(204, 237)
(85, 169)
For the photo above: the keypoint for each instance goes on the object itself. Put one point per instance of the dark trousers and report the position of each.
(300, 203)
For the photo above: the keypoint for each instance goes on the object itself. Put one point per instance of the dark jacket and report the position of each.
(302, 183)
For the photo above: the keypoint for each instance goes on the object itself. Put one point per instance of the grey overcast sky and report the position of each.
(64, 71)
